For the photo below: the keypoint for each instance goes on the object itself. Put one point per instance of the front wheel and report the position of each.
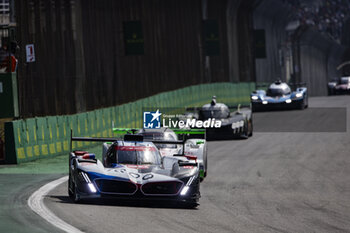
(302, 105)
(250, 127)
(74, 195)
(206, 166)
(70, 193)
(306, 102)
(246, 133)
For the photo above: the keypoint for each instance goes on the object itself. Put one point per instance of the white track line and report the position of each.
(36, 203)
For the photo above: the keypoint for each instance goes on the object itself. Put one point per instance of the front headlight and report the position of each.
(298, 95)
(187, 186)
(88, 181)
(184, 190)
(288, 101)
(92, 188)
(254, 97)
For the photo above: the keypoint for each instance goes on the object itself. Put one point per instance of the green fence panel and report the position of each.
(49, 136)
(119, 117)
(98, 120)
(105, 126)
(52, 130)
(32, 149)
(19, 140)
(73, 125)
(42, 136)
(90, 123)
(63, 132)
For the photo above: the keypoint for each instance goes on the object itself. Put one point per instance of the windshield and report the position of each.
(278, 92)
(137, 155)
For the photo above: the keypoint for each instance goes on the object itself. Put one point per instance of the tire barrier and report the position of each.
(41, 137)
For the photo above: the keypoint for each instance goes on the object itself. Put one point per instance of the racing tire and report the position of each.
(70, 193)
(251, 128)
(206, 166)
(75, 196)
(245, 134)
(306, 103)
(302, 105)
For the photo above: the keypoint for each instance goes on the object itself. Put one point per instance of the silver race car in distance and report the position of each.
(195, 146)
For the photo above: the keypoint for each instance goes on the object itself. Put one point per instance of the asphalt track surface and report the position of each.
(272, 182)
(15, 215)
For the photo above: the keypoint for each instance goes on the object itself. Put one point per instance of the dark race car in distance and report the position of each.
(279, 96)
(339, 86)
(235, 124)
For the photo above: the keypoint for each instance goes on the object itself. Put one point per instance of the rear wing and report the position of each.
(127, 137)
(189, 131)
(184, 132)
(89, 139)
